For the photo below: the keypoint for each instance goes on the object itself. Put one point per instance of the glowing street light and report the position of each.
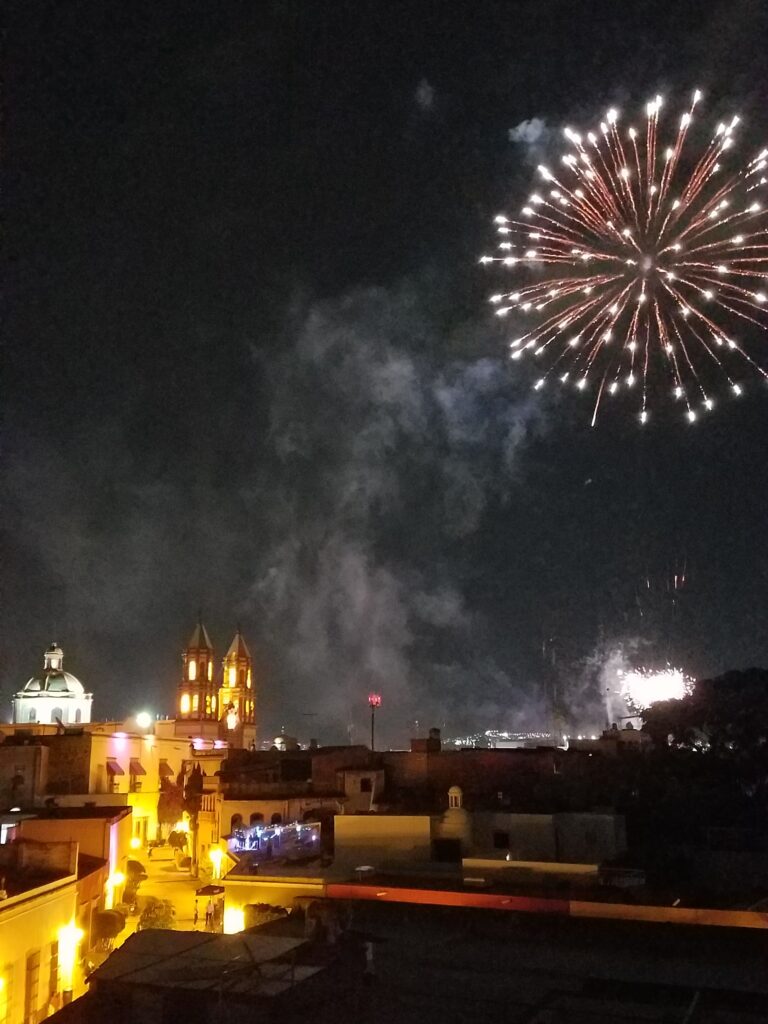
(144, 720)
(234, 920)
(216, 856)
(69, 937)
(374, 701)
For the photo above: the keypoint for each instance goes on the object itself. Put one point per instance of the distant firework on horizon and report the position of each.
(642, 687)
(644, 268)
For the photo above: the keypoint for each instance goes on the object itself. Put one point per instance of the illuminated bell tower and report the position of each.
(196, 699)
(237, 699)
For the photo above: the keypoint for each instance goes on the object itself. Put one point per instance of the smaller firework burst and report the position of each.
(642, 687)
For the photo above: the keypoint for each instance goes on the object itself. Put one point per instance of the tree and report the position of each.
(193, 802)
(157, 914)
(170, 803)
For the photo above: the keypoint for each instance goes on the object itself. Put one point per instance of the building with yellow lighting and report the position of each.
(39, 936)
(216, 706)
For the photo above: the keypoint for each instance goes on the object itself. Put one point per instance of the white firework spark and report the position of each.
(643, 687)
(640, 266)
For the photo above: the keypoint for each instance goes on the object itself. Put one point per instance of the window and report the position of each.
(192, 670)
(213, 703)
(31, 986)
(242, 676)
(57, 715)
(210, 671)
(365, 785)
(195, 701)
(78, 715)
(277, 819)
(501, 840)
(235, 822)
(232, 675)
(32, 715)
(184, 704)
(248, 679)
(53, 974)
(207, 704)
(256, 818)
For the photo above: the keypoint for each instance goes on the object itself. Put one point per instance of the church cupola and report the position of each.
(197, 692)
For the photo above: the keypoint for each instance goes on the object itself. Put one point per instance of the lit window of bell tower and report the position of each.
(236, 696)
(196, 692)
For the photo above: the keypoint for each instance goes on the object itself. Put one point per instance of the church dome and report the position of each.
(54, 679)
(55, 682)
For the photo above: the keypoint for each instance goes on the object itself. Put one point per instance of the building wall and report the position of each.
(476, 771)
(374, 839)
(289, 809)
(23, 774)
(326, 763)
(279, 892)
(106, 838)
(140, 791)
(30, 926)
(69, 759)
(570, 838)
(590, 838)
(362, 788)
(51, 708)
(531, 836)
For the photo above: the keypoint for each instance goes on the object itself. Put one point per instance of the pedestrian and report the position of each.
(209, 916)
(195, 918)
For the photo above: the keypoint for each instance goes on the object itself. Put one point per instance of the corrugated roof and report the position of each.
(246, 962)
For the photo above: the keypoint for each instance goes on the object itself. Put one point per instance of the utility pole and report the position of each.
(374, 701)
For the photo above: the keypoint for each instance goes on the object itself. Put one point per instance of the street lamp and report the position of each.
(374, 701)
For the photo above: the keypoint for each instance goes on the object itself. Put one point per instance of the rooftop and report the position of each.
(246, 963)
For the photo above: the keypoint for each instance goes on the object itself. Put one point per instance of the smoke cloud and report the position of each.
(380, 475)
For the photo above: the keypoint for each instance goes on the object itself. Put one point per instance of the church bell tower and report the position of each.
(237, 700)
(196, 699)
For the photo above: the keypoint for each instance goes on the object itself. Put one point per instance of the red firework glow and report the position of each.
(643, 269)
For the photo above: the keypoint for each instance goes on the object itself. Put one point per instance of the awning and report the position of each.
(164, 769)
(113, 768)
(136, 767)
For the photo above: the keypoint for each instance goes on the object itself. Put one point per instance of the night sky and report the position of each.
(250, 368)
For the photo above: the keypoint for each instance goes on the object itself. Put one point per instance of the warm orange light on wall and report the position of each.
(69, 937)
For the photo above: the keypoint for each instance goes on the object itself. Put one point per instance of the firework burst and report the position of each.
(643, 687)
(644, 270)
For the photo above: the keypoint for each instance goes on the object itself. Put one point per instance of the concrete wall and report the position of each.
(23, 774)
(571, 838)
(531, 836)
(590, 838)
(280, 892)
(92, 834)
(378, 839)
(42, 857)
